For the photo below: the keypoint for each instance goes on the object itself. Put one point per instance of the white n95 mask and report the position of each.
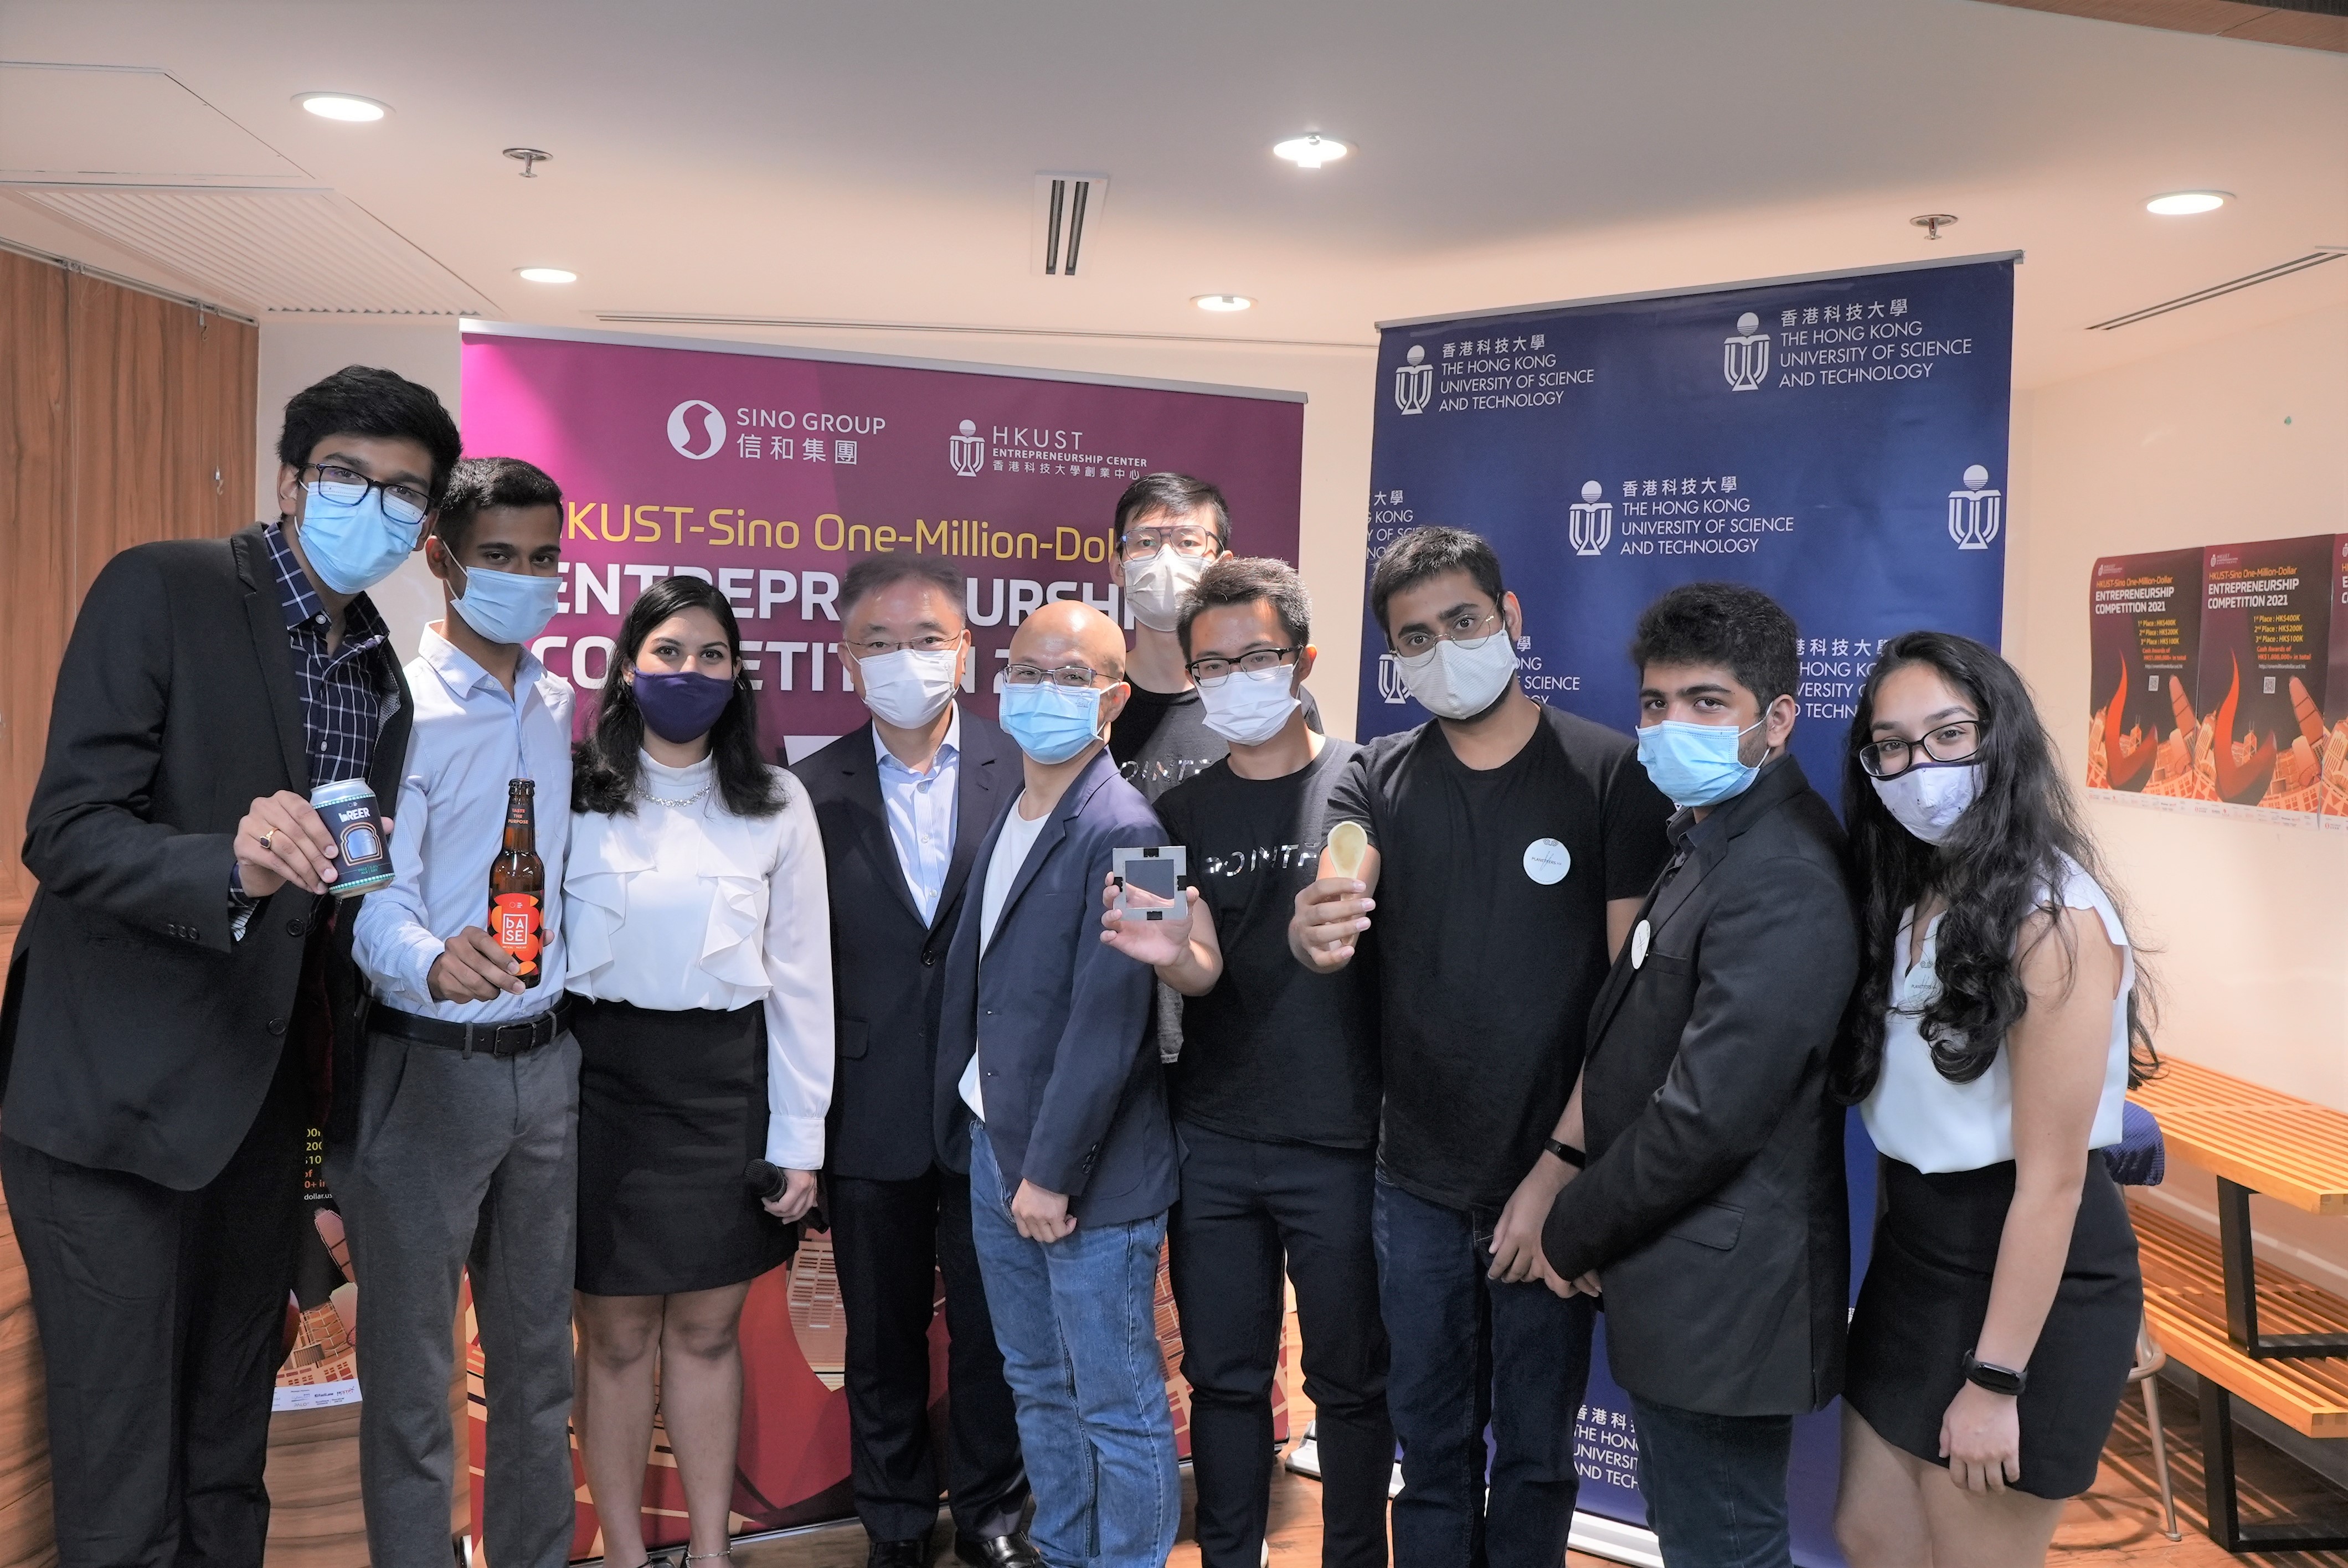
(1453, 681)
(909, 687)
(1248, 707)
(1155, 585)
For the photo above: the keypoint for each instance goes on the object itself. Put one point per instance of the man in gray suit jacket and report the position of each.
(1713, 1208)
(1049, 1091)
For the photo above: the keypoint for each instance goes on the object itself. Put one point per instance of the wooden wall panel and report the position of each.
(123, 418)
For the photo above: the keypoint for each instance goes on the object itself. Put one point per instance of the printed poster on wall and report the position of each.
(1839, 441)
(767, 471)
(2145, 659)
(2266, 618)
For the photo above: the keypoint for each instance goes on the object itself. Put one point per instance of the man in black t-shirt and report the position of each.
(1275, 1092)
(1510, 845)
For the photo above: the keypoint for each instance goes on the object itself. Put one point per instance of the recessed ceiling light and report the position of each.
(343, 107)
(546, 274)
(1222, 302)
(2185, 204)
(1310, 151)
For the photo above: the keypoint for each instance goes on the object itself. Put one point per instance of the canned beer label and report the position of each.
(514, 921)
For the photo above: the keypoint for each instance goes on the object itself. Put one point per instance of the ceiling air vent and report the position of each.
(1067, 209)
(2315, 258)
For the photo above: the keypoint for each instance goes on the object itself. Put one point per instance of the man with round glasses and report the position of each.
(181, 999)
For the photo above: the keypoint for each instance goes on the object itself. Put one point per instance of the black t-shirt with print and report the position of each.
(1491, 928)
(1275, 1053)
(1161, 738)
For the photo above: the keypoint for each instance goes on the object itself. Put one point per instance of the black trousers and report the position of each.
(891, 1241)
(1244, 1204)
(162, 1319)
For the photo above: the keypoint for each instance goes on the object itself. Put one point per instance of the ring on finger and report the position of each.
(267, 840)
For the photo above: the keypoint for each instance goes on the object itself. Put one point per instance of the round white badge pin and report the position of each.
(1639, 940)
(1547, 861)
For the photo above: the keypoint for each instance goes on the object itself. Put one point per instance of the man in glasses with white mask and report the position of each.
(1275, 1092)
(181, 996)
(1510, 845)
(902, 803)
(1170, 527)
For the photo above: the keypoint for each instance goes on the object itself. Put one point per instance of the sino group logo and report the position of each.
(1590, 522)
(967, 451)
(1745, 358)
(1413, 382)
(691, 423)
(1976, 511)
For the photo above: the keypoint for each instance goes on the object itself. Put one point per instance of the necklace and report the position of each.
(693, 799)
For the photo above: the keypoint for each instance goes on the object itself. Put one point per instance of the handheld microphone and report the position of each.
(765, 1181)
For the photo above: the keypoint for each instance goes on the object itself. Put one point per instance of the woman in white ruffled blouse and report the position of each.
(694, 914)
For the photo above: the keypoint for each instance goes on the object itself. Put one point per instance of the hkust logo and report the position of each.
(693, 422)
(1590, 522)
(1390, 681)
(967, 451)
(1413, 382)
(1745, 358)
(1976, 511)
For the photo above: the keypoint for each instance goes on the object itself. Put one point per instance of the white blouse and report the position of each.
(678, 908)
(1921, 1119)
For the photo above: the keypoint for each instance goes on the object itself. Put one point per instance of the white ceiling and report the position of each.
(872, 162)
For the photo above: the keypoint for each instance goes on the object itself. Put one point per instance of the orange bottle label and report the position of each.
(514, 919)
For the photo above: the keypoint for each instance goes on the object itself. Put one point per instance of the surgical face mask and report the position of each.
(1049, 721)
(909, 687)
(1695, 764)
(680, 705)
(1248, 707)
(352, 545)
(1155, 585)
(1928, 800)
(506, 606)
(1453, 681)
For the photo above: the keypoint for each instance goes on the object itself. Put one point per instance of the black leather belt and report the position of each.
(517, 1038)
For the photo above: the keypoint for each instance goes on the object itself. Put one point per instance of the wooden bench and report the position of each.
(2205, 1298)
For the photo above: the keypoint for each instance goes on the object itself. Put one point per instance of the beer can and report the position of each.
(362, 859)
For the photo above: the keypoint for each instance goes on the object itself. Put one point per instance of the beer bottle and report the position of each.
(518, 885)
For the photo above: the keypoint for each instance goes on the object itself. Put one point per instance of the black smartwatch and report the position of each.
(1996, 1379)
(1566, 1151)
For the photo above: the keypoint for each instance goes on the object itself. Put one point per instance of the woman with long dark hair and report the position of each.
(699, 935)
(1993, 1035)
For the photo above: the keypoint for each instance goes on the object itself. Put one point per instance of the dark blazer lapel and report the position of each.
(264, 617)
(977, 798)
(1071, 807)
(861, 769)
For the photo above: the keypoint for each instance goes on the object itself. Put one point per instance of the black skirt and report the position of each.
(1926, 1292)
(672, 1107)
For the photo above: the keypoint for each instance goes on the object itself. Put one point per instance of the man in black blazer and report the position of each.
(181, 1000)
(1049, 1092)
(902, 803)
(1713, 1208)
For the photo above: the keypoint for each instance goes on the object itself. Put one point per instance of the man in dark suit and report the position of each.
(1712, 1208)
(1049, 1093)
(181, 999)
(902, 803)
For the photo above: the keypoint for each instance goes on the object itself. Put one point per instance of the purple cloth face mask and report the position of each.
(681, 705)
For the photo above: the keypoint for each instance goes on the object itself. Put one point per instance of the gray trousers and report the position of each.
(463, 1161)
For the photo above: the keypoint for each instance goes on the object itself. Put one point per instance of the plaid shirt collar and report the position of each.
(363, 626)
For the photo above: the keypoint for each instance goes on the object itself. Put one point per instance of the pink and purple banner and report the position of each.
(768, 471)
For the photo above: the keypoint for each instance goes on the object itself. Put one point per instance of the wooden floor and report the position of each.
(2116, 1525)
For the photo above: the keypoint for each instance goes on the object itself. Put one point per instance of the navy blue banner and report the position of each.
(1839, 442)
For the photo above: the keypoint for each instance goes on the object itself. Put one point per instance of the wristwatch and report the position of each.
(1566, 1151)
(1996, 1379)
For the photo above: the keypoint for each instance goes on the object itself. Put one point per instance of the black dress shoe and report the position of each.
(1013, 1551)
(909, 1553)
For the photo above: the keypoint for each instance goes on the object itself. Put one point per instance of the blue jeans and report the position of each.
(1716, 1486)
(1465, 1352)
(1076, 1321)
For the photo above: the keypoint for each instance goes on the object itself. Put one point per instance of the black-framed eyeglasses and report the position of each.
(1213, 672)
(341, 486)
(1469, 630)
(1946, 745)
(1074, 675)
(932, 643)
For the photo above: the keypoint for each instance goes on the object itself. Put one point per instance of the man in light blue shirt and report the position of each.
(466, 1152)
(920, 808)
